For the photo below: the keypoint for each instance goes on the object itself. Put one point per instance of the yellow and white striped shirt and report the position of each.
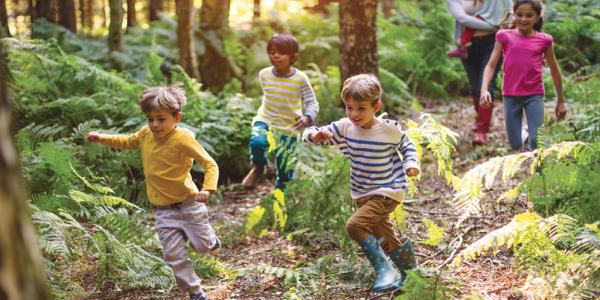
(285, 98)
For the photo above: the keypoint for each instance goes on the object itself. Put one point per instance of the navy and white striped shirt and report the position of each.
(378, 156)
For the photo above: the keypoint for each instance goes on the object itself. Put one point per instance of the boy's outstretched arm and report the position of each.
(116, 141)
(410, 157)
(321, 135)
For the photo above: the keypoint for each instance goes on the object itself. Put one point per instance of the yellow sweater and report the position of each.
(167, 162)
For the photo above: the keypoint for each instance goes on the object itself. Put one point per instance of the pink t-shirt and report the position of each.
(523, 59)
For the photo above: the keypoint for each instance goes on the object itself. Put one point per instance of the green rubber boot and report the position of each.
(404, 258)
(386, 277)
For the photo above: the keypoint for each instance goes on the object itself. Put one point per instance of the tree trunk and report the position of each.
(215, 68)
(358, 35)
(115, 33)
(86, 8)
(67, 15)
(156, 6)
(387, 6)
(256, 11)
(4, 32)
(20, 264)
(131, 16)
(185, 37)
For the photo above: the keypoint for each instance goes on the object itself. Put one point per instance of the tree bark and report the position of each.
(115, 33)
(156, 6)
(256, 11)
(4, 31)
(358, 35)
(67, 15)
(387, 6)
(215, 68)
(131, 15)
(20, 259)
(86, 8)
(185, 37)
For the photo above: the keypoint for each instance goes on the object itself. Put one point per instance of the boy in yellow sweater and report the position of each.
(168, 152)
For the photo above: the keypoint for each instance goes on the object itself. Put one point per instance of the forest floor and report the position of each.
(489, 276)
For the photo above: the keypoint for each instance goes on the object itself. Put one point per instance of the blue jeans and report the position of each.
(285, 147)
(479, 55)
(514, 106)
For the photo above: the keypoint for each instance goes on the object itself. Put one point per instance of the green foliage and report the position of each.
(469, 188)
(435, 233)
(422, 285)
(560, 258)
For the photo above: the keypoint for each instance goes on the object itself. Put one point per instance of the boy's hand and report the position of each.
(202, 196)
(486, 99)
(560, 110)
(302, 122)
(412, 172)
(320, 136)
(94, 137)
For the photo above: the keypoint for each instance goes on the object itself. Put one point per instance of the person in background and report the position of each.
(288, 106)
(479, 53)
(524, 48)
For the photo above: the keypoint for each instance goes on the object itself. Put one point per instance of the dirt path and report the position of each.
(490, 276)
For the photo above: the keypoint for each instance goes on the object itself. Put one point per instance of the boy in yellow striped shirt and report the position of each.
(288, 106)
(168, 152)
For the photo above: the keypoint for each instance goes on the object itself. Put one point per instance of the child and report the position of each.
(524, 48)
(494, 12)
(168, 152)
(380, 154)
(288, 105)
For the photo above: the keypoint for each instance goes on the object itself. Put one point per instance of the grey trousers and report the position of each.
(175, 226)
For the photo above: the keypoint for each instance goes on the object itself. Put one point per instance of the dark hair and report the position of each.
(284, 43)
(537, 6)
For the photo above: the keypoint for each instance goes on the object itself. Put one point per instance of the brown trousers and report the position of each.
(373, 217)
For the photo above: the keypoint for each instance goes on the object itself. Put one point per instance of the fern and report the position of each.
(469, 188)
(435, 233)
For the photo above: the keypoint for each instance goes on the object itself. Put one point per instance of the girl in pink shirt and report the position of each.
(524, 48)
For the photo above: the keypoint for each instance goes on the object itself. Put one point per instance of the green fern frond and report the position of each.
(101, 200)
(435, 232)
(93, 186)
(468, 192)
(503, 236)
(57, 232)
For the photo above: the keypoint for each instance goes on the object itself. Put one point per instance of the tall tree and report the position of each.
(67, 15)
(131, 15)
(358, 34)
(387, 6)
(156, 6)
(115, 34)
(4, 32)
(47, 9)
(185, 37)
(256, 10)
(20, 264)
(215, 67)
(86, 8)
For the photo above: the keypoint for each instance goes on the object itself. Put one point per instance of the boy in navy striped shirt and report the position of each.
(381, 156)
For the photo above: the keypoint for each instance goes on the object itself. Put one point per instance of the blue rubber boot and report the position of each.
(386, 277)
(404, 258)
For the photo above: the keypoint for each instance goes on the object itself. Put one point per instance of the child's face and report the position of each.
(362, 113)
(280, 61)
(525, 18)
(162, 121)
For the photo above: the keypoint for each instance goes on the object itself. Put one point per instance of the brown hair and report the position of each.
(171, 98)
(537, 6)
(284, 43)
(361, 88)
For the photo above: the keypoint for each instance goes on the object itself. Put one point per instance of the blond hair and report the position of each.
(171, 98)
(362, 87)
